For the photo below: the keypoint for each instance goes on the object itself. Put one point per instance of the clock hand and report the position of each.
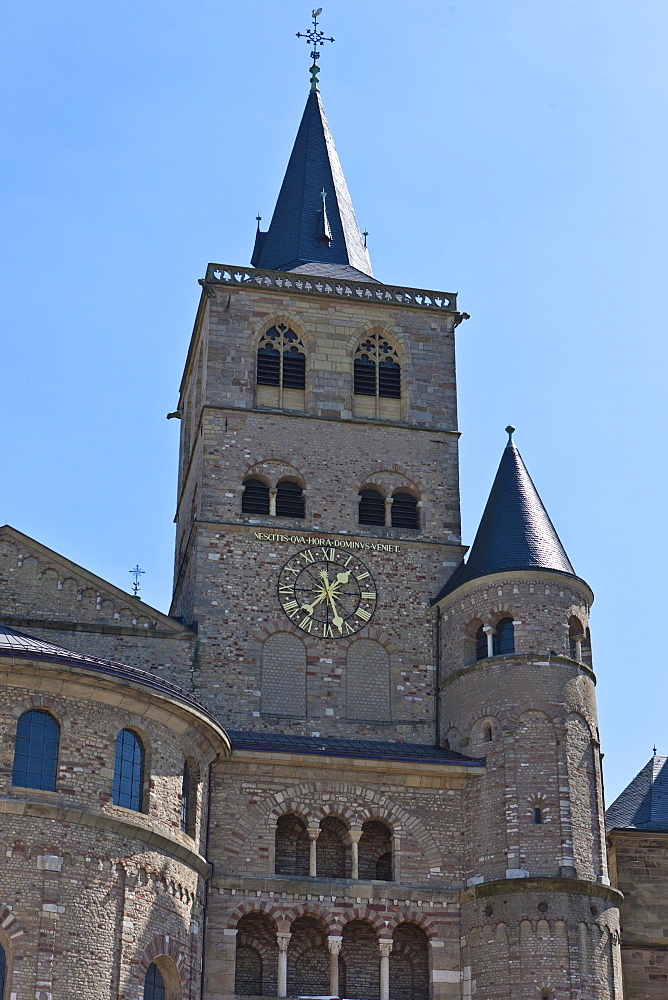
(309, 607)
(337, 619)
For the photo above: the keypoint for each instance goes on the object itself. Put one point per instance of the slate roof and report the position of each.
(515, 531)
(643, 805)
(22, 646)
(329, 746)
(298, 221)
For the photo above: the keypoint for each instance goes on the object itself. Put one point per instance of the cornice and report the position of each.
(547, 885)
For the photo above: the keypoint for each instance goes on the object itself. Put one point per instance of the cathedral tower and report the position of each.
(318, 506)
(518, 688)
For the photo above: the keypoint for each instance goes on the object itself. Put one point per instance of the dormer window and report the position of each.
(377, 379)
(281, 369)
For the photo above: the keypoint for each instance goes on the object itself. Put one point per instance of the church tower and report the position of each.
(318, 500)
(518, 688)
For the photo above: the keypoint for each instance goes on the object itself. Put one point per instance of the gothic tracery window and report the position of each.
(281, 369)
(377, 379)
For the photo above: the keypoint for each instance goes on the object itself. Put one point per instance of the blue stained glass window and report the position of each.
(36, 751)
(504, 640)
(128, 771)
(3, 971)
(154, 984)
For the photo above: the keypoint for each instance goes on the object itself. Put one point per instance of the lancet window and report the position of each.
(377, 379)
(281, 369)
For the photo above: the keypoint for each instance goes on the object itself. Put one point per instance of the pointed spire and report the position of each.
(515, 530)
(307, 232)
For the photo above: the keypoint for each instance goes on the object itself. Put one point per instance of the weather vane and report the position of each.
(136, 572)
(316, 38)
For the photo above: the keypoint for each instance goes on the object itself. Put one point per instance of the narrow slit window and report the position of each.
(186, 804)
(36, 751)
(537, 815)
(371, 508)
(255, 497)
(289, 500)
(405, 511)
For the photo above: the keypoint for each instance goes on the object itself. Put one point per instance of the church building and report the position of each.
(354, 759)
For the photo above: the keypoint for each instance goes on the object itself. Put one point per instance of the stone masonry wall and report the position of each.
(639, 867)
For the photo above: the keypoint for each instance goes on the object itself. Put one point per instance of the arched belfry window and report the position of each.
(504, 640)
(481, 647)
(377, 379)
(405, 510)
(281, 369)
(36, 751)
(255, 497)
(154, 984)
(289, 499)
(128, 787)
(371, 507)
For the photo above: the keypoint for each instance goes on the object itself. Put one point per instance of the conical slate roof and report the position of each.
(643, 805)
(515, 531)
(306, 228)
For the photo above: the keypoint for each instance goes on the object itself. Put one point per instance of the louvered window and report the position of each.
(36, 751)
(504, 640)
(372, 508)
(255, 498)
(377, 373)
(281, 369)
(404, 511)
(289, 500)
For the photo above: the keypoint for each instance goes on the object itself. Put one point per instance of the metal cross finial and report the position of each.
(136, 572)
(258, 219)
(365, 234)
(316, 38)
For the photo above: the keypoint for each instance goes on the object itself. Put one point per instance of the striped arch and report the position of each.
(378, 921)
(266, 909)
(164, 945)
(312, 909)
(413, 915)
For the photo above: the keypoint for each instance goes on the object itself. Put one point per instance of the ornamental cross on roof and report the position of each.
(316, 38)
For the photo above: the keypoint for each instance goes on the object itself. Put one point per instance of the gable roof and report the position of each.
(643, 805)
(515, 530)
(305, 228)
(30, 546)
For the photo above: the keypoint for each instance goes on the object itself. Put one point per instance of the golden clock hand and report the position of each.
(321, 597)
(337, 619)
(342, 578)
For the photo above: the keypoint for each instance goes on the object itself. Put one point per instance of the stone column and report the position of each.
(272, 501)
(385, 948)
(490, 633)
(313, 833)
(334, 942)
(283, 940)
(388, 511)
(355, 836)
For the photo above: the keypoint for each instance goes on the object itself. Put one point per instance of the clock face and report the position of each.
(327, 592)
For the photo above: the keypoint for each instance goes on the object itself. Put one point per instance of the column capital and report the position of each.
(313, 832)
(355, 836)
(385, 947)
(334, 943)
(489, 630)
(283, 940)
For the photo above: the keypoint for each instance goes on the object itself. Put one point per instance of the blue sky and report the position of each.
(513, 151)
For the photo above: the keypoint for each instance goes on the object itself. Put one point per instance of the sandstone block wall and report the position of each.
(639, 868)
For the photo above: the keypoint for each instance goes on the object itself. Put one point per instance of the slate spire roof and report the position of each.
(515, 531)
(313, 228)
(643, 805)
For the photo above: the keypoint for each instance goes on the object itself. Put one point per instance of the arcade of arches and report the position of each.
(307, 960)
